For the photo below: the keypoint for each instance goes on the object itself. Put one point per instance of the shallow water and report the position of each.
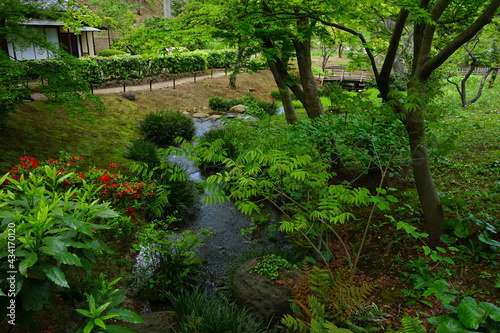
(223, 220)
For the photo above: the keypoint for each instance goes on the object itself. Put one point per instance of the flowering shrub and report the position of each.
(110, 185)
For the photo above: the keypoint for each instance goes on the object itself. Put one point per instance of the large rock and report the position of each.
(266, 298)
(129, 95)
(240, 108)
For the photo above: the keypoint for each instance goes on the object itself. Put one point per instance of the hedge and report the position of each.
(123, 67)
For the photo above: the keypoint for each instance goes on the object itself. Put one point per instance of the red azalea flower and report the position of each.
(113, 165)
(104, 178)
(81, 175)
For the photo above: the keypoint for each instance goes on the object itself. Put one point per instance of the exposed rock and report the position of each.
(154, 322)
(129, 95)
(252, 90)
(199, 115)
(265, 297)
(215, 116)
(240, 108)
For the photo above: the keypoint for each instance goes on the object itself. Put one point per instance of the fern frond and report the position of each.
(411, 325)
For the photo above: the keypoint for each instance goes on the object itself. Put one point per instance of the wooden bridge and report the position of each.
(353, 81)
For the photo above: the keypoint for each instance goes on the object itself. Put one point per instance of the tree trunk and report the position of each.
(312, 102)
(286, 98)
(167, 9)
(427, 192)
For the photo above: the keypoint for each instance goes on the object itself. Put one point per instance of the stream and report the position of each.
(223, 220)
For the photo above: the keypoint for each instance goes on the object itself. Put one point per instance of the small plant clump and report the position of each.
(111, 52)
(143, 151)
(270, 266)
(163, 126)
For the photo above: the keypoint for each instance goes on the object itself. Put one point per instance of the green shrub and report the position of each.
(221, 58)
(163, 126)
(111, 52)
(257, 64)
(48, 232)
(143, 151)
(275, 95)
(199, 313)
(222, 105)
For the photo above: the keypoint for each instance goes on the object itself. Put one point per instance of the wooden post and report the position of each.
(194, 77)
(91, 88)
(150, 85)
(174, 82)
(124, 86)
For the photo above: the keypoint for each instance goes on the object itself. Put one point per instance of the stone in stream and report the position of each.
(199, 115)
(240, 108)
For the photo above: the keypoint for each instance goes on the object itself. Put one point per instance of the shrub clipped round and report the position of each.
(110, 53)
(143, 151)
(163, 126)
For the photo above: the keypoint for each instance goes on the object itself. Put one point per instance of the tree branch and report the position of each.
(436, 61)
(385, 72)
(355, 33)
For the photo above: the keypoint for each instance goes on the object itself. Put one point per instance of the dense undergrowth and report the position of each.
(348, 205)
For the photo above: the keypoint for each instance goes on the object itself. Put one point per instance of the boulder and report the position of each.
(240, 108)
(129, 95)
(266, 298)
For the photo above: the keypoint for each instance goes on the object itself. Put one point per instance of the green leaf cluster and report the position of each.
(469, 316)
(44, 232)
(104, 303)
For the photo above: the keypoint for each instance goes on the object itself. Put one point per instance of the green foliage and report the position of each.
(65, 86)
(219, 104)
(411, 325)
(257, 64)
(103, 303)
(163, 126)
(260, 109)
(197, 312)
(187, 62)
(174, 195)
(170, 263)
(213, 147)
(344, 298)
(255, 107)
(12, 92)
(319, 322)
(111, 52)
(425, 280)
(220, 58)
(44, 232)
(117, 15)
(469, 316)
(270, 265)
(143, 151)
(366, 138)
